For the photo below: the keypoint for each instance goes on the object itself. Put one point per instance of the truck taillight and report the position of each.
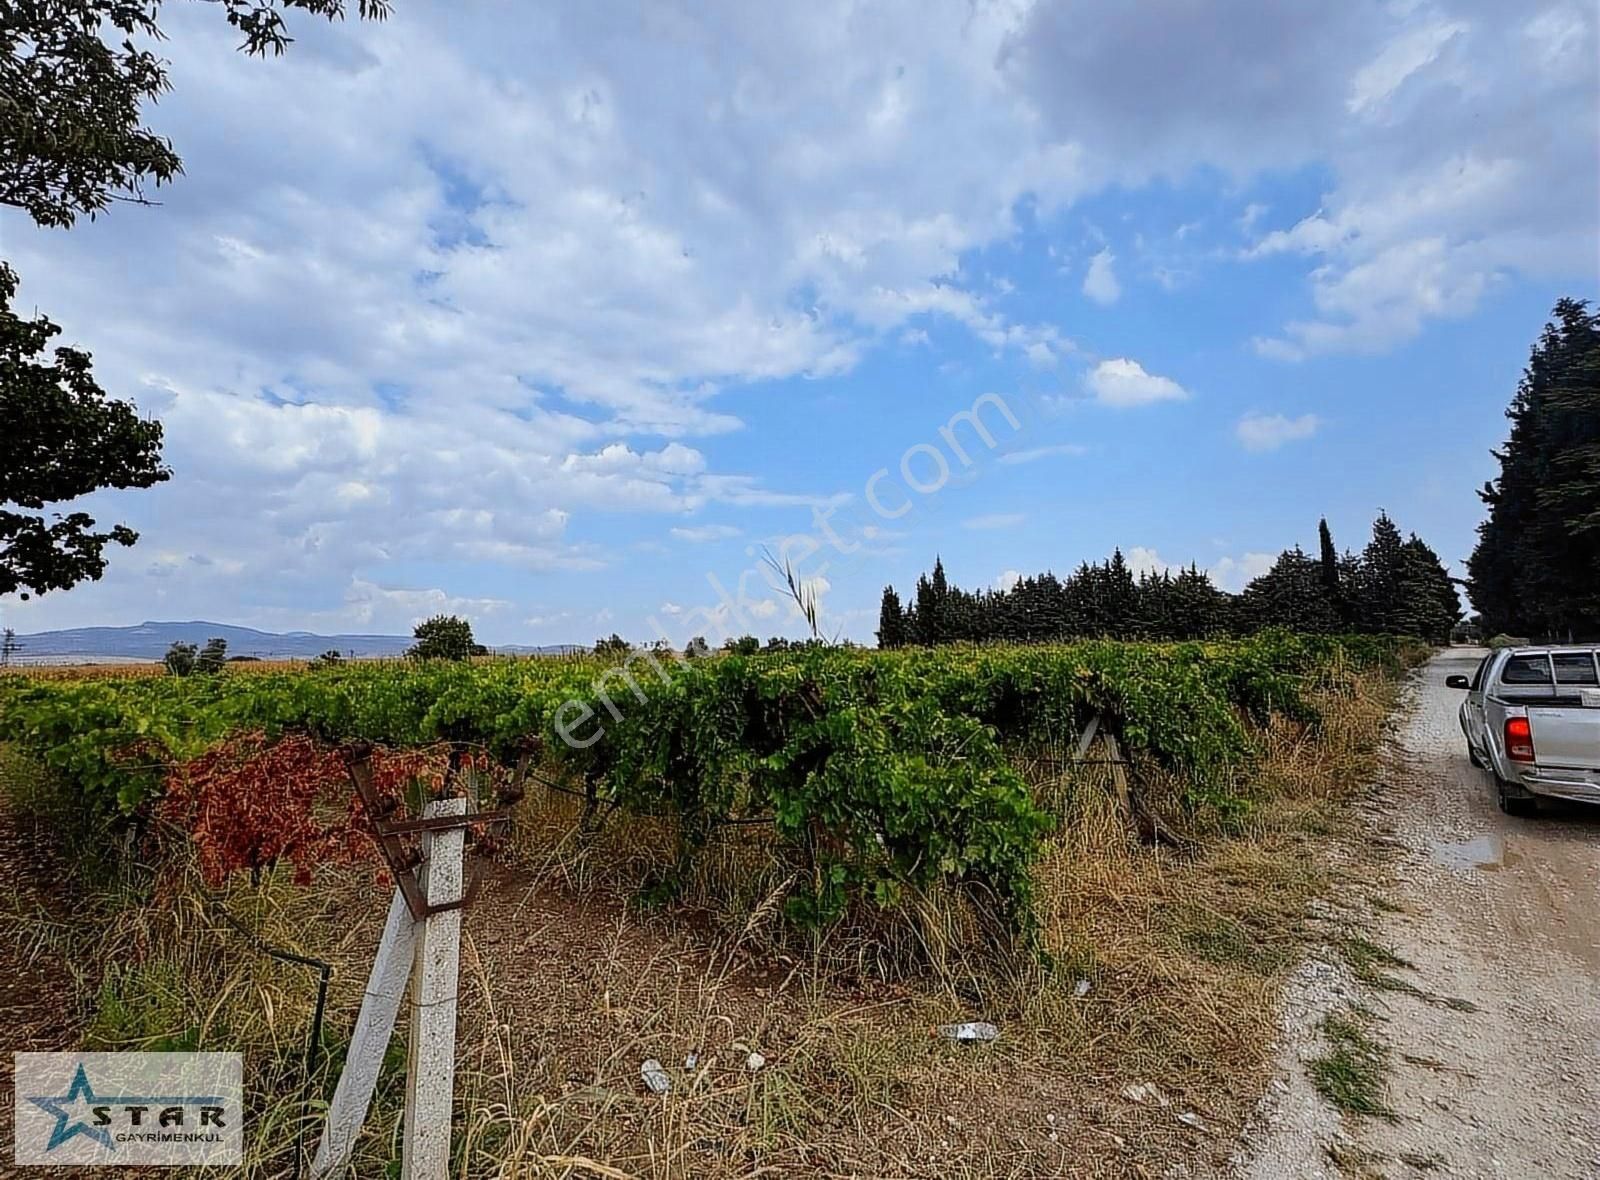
(1519, 739)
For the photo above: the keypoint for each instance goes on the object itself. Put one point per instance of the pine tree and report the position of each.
(1430, 607)
(1395, 586)
(1198, 608)
(1289, 595)
(1119, 596)
(1380, 595)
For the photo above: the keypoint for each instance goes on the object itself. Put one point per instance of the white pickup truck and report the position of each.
(1532, 718)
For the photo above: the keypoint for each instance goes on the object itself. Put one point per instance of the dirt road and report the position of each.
(1494, 1068)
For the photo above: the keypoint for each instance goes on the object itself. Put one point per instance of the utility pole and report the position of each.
(8, 647)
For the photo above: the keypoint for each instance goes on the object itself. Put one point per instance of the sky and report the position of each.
(561, 316)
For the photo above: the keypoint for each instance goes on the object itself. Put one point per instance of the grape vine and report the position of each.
(879, 770)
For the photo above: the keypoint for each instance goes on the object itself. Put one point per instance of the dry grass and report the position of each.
(569, 983)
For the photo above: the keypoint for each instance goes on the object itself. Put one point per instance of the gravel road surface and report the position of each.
(1500, 913)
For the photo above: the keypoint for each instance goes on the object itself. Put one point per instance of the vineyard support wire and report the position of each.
(314, 1043)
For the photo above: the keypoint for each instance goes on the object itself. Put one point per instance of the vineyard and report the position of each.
(875, 771)
(818, 854)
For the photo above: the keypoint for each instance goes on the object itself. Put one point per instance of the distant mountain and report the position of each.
(150, 641)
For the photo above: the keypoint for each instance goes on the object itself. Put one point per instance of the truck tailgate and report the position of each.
(1566, 736)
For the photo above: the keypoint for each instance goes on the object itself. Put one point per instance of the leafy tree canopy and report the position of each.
(180, 658)
(444, 637)
(212, 656)
(63, 438)
(74, 81)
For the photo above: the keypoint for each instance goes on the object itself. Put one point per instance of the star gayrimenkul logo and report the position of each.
(64, 1108)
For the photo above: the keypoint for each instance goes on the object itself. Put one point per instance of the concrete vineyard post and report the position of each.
(431, 1068)
(427, 953)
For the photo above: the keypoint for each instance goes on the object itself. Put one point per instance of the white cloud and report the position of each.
(1558, 35)
(1142, 560)
(995, 520)
(1100, 281)
(548, 620)
(1006, 579)
(1123, 382)
(387, 609)
(1040, 355)
(1228, 573)
(1375, 304)
(1443, 125)
(1234, 573)
(1402, 57)
(474, 260)
(1268, 432)
(700, 534)
(1033, 454)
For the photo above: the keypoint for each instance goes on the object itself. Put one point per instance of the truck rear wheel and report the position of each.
(1513, 801)
(1472, 757)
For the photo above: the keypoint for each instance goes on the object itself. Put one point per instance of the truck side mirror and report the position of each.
(1457, 682)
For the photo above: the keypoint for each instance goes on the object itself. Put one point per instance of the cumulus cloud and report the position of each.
(1444, 126)
(1268, 432)
(1233, 574)
(1123, 383)
(1227, 573)
(400, 608)
(1006, 579)
(514, 241)
(1100, 281)
(1143, 560)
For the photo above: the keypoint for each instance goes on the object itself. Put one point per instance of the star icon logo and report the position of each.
(74, 1110)
(65, 1108)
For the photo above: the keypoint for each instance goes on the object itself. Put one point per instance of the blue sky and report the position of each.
(551, 317)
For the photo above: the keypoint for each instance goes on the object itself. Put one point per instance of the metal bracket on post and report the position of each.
(387, 834)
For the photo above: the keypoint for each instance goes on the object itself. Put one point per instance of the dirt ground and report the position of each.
(1494, 1033)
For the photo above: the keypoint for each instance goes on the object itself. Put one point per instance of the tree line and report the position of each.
(1393, 586)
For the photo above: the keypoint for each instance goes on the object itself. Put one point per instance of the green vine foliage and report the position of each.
(878, 770)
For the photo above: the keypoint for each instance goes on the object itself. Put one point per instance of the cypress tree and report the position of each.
(1331, 588)
(1536, 568)
(932, 599)
(891, 621)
